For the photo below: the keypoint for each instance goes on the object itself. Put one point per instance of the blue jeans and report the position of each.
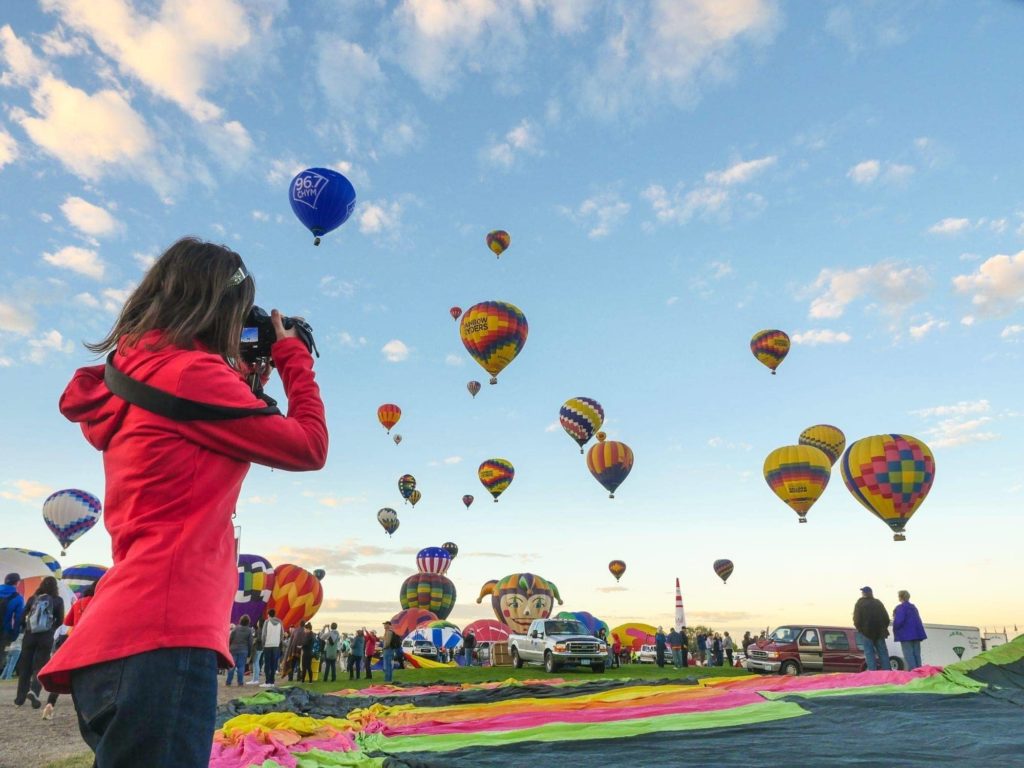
(271, 656)
(677, 658)
(257, 660)
(911, 653)
(11, 665)
(153, 708)
(239, 669)
(388, 658)
(873, 648)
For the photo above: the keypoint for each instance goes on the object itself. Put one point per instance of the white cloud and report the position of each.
(51, 341)
(453, 359)
(522, 139)
(950, 226)
(740, 172)
(958, 424)
(14, 319)
(283, 169)
(114, 298)
(721, 442)
(997, 288)
(1011, 331)
(864, 172)
(869, 171)
(679, 208)
(335, 287)
(23, 67)
(87, 300)
(967, 320)
(27, 491)
(84, 261)
(671, 300)
(897, 173)
(260, 216)
(395, 351)
(554, 426)
(350, 76)
(379, 217)
(144, 260)
(89, 219)
(349, 341)
(8, 148)
(892, 286)
(452, 460)
(599, 214)
(720, 269)
(921, 330)
(814, 337)
(962, 408)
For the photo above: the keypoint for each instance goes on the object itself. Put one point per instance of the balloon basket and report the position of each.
(316, 241)
(494, 380)
(803, 519)
(611, 495)
(773, 373)
(899, 537)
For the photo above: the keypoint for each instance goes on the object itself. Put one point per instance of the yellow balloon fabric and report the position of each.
(825, 438)
(798, 474)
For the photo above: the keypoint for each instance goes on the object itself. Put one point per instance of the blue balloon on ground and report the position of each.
(322, 200)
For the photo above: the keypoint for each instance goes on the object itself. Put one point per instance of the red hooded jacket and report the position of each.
(171, 489)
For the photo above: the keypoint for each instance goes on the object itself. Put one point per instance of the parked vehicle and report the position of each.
(558, 643)
(423, 648)
(649, 655)
(946, 644)
(796, 648)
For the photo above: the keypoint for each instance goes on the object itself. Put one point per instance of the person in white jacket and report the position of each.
(273, 632)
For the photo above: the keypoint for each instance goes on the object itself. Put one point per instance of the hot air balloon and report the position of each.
(440, 634)
(455, 312)
(78, 577)
(798, 474)
(255, 585)
(593, 624)
(33, 567)
(319, 573)
(388, 520)
(494, 332)
(473, 387)
(397, 439)
(415, 497)
(770, 348)
(388, 415)
(430, 591)
(617, 567)
(451, 548)
(467, 500)
(70, 513)
(433, 560)
(498, 241)
(724, 569)
(487, 631)
(519, 598)
(322, 200)
(601, 437)
(634, 636)
(406, 620)
(890, 475)
(610, 462)
(826, 438)
(296, 595)
(496, 475)
(406, 485)
(581, 417)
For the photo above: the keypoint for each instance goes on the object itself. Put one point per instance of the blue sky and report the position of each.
(675, 177)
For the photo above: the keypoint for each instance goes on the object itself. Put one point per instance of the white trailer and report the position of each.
(946, 644)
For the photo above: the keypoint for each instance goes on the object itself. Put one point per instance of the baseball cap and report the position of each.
(12, 578)
(387, 623)
(867, 589)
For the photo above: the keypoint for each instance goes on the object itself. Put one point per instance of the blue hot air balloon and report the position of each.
(322, 200)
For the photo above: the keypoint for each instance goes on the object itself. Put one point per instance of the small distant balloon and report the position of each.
(322, 199)
(473, 387)
(610, 462)
(455, 312)
(467, 500)
(494, 333)
(498, 241)
(581, 417)
(451, 548)
(397, 439)
(388, 415)
(319, 573)
(388, 520)
(724, 569)
(770, 348)
(617, 568)
(601, 436)
(406, 485)
(496, 475)
(415, 497)
(69, 514)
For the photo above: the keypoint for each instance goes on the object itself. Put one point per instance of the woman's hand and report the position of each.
(282, 332)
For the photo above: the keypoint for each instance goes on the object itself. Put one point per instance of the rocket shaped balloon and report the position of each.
(680, 614)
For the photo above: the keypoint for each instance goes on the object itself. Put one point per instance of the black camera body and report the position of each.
(258, 335)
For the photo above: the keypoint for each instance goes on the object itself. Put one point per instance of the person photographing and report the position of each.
(142, 664)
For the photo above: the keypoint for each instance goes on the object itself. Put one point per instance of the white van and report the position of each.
(946, 644)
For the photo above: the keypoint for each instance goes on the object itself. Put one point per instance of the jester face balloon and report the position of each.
(826, 438)
(520, 598)
(494, 332)
(296, 595)
(429, 591)
(798, 474)
(433, 560)
(388, 415)
(610, 463)
(498, 241)
(581, 417)
(724, 569)
(770, 348)
(496, 475)
(322, 199)
(69, 514)
(890, 475)
(255, 585)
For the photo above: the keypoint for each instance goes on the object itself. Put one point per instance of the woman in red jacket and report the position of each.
(142, 664)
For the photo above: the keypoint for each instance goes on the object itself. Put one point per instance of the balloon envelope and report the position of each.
(406, 485)
(610, 463)
(255, 585)
(441, 634)
(80, 576)
(890, 475)
(296, 595)
(633, 635)
(388, 415)
(322, 199)
(487, 631)
(433, 560)
(451, 548)
(828, 439)
(473, 387)
(31, 565)
(498, 241)
(798, 474)
(617, 568)
(770, 347)
(70, 513)
(455, 312)
(494, 332)
(581, 417)
(496, 475)
(388, 519)
(405, 621)
(724, 569)
(415, 497)
(319, 573)
(588, 620)
(430, 591)
(467, 500)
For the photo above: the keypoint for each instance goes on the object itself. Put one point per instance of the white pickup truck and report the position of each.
(558, 643)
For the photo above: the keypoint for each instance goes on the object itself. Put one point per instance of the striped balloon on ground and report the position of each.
(442, 634)
(80, 576)
(296, 595)
(770, 348)
(581, 417)
(610, 463)
(496, 475)
(798, 474)
(430, 591)
(494, 332)
(433, 560)
(406, 620)
(255, 586)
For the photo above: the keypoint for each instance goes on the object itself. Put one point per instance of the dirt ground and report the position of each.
(28, 741)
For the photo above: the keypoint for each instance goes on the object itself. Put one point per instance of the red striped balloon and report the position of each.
(610, 463)
(388, 415)
(297, 595)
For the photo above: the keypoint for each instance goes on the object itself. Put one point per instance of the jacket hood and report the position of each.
(6, 590)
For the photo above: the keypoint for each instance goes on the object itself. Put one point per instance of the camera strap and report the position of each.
(171, 406)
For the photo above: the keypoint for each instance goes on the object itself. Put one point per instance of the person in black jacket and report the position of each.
(307, 654)
(872, 623)
(43, 614)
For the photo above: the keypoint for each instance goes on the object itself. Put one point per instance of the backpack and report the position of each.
(5, 631)
(330, 639)
(41, 618)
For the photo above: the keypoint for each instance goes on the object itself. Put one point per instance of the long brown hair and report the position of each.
(188, 295)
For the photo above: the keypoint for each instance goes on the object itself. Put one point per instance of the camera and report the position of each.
(258, 335)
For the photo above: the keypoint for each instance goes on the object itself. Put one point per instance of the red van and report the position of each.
(796, 648)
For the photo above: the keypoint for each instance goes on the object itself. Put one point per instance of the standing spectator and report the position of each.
(702, 647)
(616, 650)
(332, 646)
(659, 647)
(675, 644)
(307, 651)
(355, 656)
(44, 612)
(468, 644)
(293, 653)
(74, 616)
(240, 645)
(729, 647)
(908, 630)
(684, 646)
(346, 650)
(390, 643)
(872, 623)
(747, 641)
(257, 654)
(369, 647)
(13, 654)
(12, 606)
(272, 637)
(716, 649)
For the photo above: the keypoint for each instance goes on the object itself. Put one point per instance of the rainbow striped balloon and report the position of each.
(610, 463)
(296, 595)
(798, 474)
(496, 475)
(388, 415)
(494, 332)
(770, 348)
(429, 591)
(498, 241)
(581, 417)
